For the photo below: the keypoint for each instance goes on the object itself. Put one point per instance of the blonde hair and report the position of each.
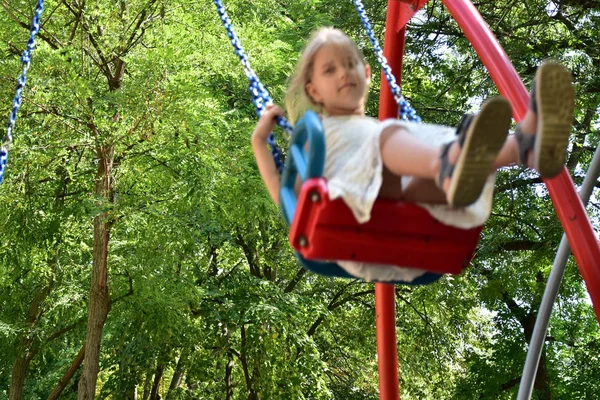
(297, 101)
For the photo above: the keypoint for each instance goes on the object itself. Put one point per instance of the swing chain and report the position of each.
(16, 104)
(405, 110)
(260, 95)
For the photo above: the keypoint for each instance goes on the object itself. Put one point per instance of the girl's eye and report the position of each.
(329, 70)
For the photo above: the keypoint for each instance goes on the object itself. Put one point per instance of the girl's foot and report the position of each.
(552, 103)
(480, 138)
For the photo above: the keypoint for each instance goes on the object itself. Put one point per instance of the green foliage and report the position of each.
(200, 272)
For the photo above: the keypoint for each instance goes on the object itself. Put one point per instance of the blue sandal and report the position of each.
(552, 98)
(480, 138)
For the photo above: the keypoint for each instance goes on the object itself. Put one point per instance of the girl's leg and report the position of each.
(465, 163)
(509, 154)
(403, 154)
(546, 127)
(419, 190)
(391, 186)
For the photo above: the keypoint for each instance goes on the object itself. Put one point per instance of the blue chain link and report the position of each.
(16, 104)
(260, 96)
(405, 110)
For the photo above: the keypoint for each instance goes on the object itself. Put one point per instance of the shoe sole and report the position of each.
(484, 139)
(555, 98)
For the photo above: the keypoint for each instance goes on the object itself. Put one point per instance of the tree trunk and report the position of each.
(127, 388)
(252, 394)
(154, 395)
(527, 320)
(178, 374)
(147, 387)
(541, 385)
(228, 377)
(133, 394)
(26, 346)
(62, 383)
(99, 302)
(17, 381)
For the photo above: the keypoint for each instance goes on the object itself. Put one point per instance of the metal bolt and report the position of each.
(315, 197)
(303, 241)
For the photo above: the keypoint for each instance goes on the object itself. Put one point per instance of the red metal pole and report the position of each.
(387, 352)
(385, 296)
(393, 50)
(567, 203)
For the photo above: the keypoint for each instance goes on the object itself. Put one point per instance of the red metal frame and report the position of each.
(562, 190)
(385, 295)
(568, 205)
(406, 10)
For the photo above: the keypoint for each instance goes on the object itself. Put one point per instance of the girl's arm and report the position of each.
(264, 159)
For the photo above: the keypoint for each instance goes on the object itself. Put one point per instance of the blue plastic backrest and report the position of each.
(308, 165)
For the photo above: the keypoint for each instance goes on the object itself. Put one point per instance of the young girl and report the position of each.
(447, 169)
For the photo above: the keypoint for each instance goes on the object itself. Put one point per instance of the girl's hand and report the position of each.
(264, 159)
(266, 123)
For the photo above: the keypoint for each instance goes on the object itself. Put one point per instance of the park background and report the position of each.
(131, 187)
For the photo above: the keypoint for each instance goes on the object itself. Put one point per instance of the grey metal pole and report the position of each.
(550, 293)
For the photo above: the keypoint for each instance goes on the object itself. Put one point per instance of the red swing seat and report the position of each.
(398, 233)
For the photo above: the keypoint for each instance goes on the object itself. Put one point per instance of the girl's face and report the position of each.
(339, 81)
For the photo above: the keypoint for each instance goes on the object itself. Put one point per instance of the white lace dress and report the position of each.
(353, 169)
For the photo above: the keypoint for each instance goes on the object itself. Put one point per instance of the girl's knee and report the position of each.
(387, 133)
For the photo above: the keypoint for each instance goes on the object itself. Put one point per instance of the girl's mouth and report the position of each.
(346, 85)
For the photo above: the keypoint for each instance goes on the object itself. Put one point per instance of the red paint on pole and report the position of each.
(387, 355)
(385, 302)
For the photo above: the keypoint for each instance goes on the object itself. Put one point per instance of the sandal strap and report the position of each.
(532, 97)
(447, 169)
(525, 144)
(463, 126)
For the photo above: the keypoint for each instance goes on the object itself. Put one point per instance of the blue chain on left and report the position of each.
(260, 96)
(16, 104)
(405, 110)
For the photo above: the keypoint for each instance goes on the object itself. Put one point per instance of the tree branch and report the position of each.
(64, 380)
(333, 304)
(294, 282)
(51, 41)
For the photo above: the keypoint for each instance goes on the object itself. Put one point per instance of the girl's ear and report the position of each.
(368, 73)
(313, 92)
